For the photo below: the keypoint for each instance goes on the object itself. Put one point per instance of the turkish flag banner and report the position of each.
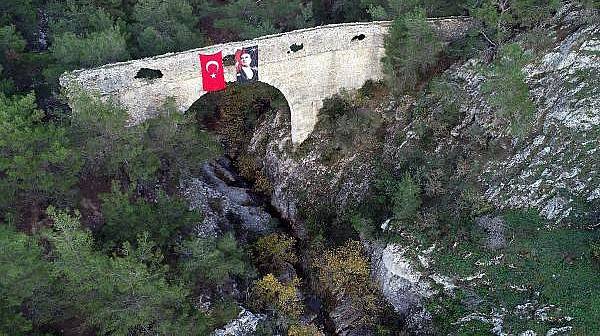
(213, 76)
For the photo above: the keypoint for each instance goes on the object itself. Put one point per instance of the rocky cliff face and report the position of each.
(549, 169)
(552, 169)
(304, 176)
(558, 162)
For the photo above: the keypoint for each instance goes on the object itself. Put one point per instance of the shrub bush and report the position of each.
(250, 168)
(304, 330)
(335, 107)
(213, 260)
(349, 126)
(275, 249)
(223, 312)
(270, 294)
(507, 91)
(406, 199)
(411, 49)
(127, 216)
(363, 225)
(343, 273)
(595, 252)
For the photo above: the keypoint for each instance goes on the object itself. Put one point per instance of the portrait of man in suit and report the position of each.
(246, 64)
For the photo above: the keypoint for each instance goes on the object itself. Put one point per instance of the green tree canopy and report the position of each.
(170, 143)
(11, 45)
(176, 140)
(97, 48)
(246, 19)
(108, 148)
(21, 13)
(411, 48)
(83, 34)
(213, 260)
(23, 271)
(126, 217)
(406, 199)
(162, 26)
(37, 162)
(120, 294)
(501, 19)
(507, 91)
(80, 18)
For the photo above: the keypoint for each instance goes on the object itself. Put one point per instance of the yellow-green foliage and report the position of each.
(304, 330)
(275, 248)
(270, 294)
(251, 169)
(344, 272)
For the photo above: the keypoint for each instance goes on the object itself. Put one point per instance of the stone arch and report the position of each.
(332, 57)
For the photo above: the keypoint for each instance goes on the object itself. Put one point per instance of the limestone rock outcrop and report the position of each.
(244, 325)
(224, 205)
(558, 162)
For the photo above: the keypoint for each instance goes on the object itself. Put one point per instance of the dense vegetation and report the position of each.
(427, 193)
(95, 237)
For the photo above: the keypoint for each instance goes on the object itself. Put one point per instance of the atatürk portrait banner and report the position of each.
(246, 64)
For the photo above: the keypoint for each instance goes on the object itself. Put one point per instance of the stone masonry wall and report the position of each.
(333, 57)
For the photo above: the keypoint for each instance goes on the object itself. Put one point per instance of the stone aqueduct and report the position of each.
(331, 58)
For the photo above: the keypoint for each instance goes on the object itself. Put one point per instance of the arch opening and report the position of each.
(234, 114)
(245, 119)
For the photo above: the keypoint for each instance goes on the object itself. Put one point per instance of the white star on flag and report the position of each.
(214, 75)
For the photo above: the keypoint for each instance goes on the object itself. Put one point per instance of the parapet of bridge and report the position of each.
(306, 65)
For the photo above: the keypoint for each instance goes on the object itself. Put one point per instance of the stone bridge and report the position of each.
(306, 65)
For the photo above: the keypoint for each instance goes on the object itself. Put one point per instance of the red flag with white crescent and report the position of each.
(213, 76)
